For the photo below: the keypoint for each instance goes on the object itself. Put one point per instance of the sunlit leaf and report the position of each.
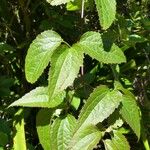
(19, 142)
(86, 139)
(92, 44)
(61, 132)
(39, 54)
(106, 12)
(101, 103)
(39, 98)
(43, 127)
(118, 142)
(64, 69)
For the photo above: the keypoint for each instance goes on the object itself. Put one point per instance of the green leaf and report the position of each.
(75, 103)
(92, 44)
(39, 54)
(101, 103)
(130, 110)
(43, 127)
(118, 142)
(106, 12)
(86, 139)
(58, 2)
(64, 69)
(3, 138)
(39, 98)
(61, 132)
(19, 142)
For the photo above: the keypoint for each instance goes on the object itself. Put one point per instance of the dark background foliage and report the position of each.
(22, 20)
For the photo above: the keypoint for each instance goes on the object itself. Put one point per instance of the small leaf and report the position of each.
(118, 142)
(101, 103)
(86, 139)
(75, 102)
(129, 110)
(39, 54)
(91, 43)
(58, 2)
(19, 142)
(39, 98)
(43, 127)
(64, 69)
(61, 132)
(106, 12)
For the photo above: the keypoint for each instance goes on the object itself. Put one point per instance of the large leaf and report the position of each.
(61, 132)
(101, 103)
(39, 54)
(118, 142)
(87, 139)
(39, 98)
(43, 127)
(106, 11)
(131, 113)
(93, 45)
(58, 2)
(19, 141)
(65, 66)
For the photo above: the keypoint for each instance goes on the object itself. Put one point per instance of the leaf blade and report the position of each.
(86, 139)
(39, 98)
(64, 69)
(128, 110)
(43, 127)
(117, 142)
(19, 141)
(39, 54)
(99, 106)
(106, 12)
(62, 131)
(58, 2)
(91, 43)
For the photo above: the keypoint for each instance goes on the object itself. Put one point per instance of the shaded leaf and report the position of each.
(91, 43)
(3, 138)
(39, 54)
(61, 132)
(65, 66)
(43, 127)
(106, 12)
(39, 98)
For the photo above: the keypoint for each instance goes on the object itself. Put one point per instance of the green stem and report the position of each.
(115, 73)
